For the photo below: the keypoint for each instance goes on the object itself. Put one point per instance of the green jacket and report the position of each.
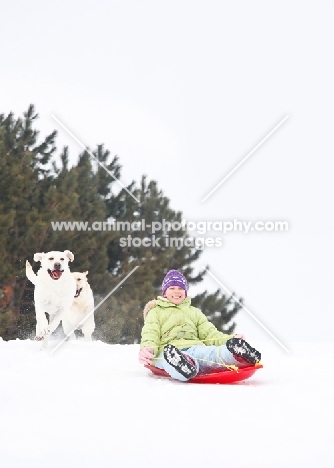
(182, 325)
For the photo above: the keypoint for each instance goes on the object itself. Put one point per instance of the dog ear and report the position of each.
(86, 272)
(38, 257)
(69, 255)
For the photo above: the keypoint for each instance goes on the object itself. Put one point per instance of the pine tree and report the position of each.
(22, 163)
(74, 196)
(122, 313)
(219, 309)
(57, 200)
(36, 192)
(93, 186)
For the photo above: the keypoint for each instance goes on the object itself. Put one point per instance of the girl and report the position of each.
(179, 338)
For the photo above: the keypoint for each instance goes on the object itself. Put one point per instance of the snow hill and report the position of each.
(93, 405)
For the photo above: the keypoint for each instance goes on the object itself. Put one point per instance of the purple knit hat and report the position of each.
(174, 278)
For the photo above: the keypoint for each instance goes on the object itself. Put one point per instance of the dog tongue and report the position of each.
(56, 274)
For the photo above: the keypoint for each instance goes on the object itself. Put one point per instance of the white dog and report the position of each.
(54, 290)
(80, 316)
(81, 313)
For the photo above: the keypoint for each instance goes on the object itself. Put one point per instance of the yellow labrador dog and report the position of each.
(54, 290)
(80, 315)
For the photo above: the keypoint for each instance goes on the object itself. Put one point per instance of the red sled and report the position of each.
(224, 376)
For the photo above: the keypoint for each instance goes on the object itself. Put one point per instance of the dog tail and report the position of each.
(30, 273)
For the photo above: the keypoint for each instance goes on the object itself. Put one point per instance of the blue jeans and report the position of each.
(206, 358)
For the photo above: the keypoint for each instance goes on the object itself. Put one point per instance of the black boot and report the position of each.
(182, 363)
(241, 349)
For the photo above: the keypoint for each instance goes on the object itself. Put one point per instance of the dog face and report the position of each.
(54, 262)
(81, 282)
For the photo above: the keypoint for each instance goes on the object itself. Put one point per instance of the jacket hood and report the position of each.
(163, 302)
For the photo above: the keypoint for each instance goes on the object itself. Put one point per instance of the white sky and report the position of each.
(182, 91)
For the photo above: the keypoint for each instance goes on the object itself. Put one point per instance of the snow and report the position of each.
(94, 405)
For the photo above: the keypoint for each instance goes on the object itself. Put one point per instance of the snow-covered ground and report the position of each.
(94, 405)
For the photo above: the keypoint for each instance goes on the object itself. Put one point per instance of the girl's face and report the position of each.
(175, 294)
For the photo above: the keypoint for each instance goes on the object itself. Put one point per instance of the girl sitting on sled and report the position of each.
(179, 339)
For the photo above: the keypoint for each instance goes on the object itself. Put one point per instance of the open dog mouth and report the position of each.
(77, 292)
(55, 274)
